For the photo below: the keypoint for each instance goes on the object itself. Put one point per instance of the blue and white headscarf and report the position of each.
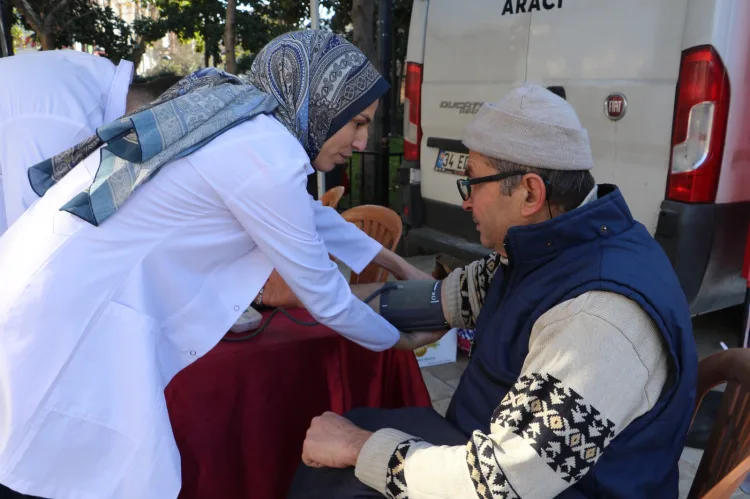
(312, 82)
(321, 82)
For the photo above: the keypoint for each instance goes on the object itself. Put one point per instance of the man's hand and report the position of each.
(417, 339)
(333, 441)
(400, 268)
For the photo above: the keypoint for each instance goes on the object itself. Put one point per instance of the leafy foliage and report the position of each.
(81, 21)
(401, 16)
(91, 24)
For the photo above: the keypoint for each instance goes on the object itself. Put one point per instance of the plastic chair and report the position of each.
(333, 196)
(382, 224)
(726, 459)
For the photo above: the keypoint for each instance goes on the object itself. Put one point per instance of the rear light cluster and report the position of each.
(412, 111)
(699, 127)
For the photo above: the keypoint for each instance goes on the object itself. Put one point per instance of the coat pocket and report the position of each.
(112, 377)
(74, 456)
(99, 406)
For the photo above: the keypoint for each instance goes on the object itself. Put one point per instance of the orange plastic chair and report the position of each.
(382, 224)
(726, 459)
(333, 196)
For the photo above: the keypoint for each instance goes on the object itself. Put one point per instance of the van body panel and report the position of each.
(475, 51)
(417, 28)
(473, 54)
(732, 42)
(640, 59)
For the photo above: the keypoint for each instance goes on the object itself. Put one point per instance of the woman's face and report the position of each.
(352, 137)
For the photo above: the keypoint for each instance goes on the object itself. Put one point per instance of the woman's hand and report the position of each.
(418, 339)
(399, 267)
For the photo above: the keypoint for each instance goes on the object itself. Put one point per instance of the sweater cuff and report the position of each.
(452, 306)
(372, 463)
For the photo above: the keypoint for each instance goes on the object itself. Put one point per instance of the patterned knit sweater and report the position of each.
(464, 290)
(600, 350)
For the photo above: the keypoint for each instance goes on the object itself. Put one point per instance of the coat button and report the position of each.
(192, 352)
(605, 229)
(236, 308)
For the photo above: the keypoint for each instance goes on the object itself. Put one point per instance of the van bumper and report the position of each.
(706, 243)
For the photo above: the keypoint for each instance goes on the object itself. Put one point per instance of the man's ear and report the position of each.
(536, 194)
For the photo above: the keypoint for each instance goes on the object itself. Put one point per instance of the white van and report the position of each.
(663, 87)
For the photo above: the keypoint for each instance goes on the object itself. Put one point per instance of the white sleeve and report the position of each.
(282, 224)
(258, 170)
(3, 220)
(344, 240)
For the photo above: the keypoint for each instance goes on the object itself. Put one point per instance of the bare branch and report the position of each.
(70, 21)
(31, 16)
(49, 19)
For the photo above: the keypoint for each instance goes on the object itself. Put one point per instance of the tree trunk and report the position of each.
(206, 48)
(229, 36)
(363, 20)
(47, 40)
(138, 52)
(6, 39)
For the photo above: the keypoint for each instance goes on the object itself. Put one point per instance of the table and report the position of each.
(240, 413)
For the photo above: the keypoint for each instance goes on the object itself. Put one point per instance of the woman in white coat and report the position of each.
(135, 262)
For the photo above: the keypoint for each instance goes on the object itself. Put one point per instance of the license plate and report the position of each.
(451, 162)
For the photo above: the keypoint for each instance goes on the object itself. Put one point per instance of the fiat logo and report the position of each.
(615, 106)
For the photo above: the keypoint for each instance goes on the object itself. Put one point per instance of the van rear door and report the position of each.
(473, 54)
(630, 52)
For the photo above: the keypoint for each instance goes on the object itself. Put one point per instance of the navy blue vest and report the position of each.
(595, 247)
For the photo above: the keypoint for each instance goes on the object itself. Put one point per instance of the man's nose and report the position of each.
(466, 205)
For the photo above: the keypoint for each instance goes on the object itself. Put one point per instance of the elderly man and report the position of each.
(582, 375)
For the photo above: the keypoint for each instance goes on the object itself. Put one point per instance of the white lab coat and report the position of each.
(50, 101)
(95, 321)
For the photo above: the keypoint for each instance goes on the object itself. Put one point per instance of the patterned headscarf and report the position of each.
(314, 83)
(321, 82)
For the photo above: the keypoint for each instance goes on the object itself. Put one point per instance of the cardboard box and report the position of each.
(442, 351)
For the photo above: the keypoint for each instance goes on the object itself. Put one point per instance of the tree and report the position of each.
(60, 23)
(146, 28)
(229, 37)
(363, 20)
(200, 20)
(46, 17)
(254, 30)
(7, 21)
(91, 24)
(343, 19)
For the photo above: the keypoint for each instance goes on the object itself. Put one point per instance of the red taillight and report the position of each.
(699, 127)
(412, 111)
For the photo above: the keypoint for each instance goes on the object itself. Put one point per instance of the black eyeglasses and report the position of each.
(464, 184)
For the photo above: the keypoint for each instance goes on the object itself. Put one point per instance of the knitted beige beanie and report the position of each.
(531, 126)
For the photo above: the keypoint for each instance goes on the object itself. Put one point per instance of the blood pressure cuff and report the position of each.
(413, 305)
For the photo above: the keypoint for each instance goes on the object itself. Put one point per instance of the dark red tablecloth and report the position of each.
(240, 413)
